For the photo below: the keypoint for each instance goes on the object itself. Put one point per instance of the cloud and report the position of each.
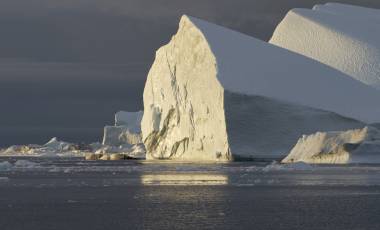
(64, 99)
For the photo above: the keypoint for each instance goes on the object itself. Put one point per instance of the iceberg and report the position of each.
(119, 142)
(213, 93)
(352, 146)
(132, 120)
(123, 140)
(341, 36)
(127, 129)
(53, 148)
(59, 146)
(119, 135)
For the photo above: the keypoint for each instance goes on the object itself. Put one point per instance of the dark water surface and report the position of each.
(77, 194)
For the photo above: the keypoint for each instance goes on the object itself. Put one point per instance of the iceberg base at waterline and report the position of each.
(351, 146)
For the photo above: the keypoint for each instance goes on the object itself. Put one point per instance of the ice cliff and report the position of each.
(352, 146)
(132, 120)
(342, 36)
(121, 140)
(212, 93)
(125, 131)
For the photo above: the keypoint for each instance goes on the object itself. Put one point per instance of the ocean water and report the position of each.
(70, 193)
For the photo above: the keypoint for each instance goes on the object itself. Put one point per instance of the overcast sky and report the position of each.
(66, 66)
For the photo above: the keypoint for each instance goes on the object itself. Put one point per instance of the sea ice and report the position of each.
(5, 166)
(298, 166)
(25, 164)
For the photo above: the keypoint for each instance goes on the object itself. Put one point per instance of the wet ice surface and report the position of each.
(43, 193)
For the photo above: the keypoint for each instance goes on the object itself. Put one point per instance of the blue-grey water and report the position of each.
(54, 193)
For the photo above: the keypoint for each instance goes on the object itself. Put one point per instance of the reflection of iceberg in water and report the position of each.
(184, 179)
(197, 198)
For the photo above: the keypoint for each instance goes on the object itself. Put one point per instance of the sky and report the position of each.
(66, 66)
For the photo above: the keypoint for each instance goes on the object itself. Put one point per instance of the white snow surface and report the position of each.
(253, 67)
(342, 36)
(208, 76)
(352, 146)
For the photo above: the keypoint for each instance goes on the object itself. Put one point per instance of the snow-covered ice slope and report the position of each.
(349, 10)
(352, 146)
(342, 36)
(190, 109)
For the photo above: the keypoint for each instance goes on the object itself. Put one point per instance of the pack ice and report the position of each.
(352, 146)
(53, 148)
(342, 36)
(212, 93)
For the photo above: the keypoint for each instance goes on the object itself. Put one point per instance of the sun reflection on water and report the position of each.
(184, 179)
